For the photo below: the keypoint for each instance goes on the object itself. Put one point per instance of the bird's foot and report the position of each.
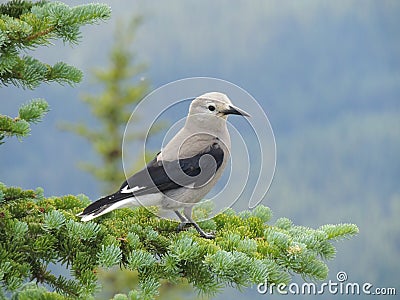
(182, 226)
(207, 235)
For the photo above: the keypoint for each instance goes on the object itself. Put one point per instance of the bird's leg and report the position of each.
(184, 221)
(182, 218)
(187, 211)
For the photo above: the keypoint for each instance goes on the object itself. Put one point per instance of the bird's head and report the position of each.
(214, 105)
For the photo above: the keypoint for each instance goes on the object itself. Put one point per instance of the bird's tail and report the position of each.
(105, 205)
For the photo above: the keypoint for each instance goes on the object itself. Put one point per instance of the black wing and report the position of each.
(155, 177)
(168, 175)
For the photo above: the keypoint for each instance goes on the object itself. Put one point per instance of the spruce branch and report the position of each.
(26, 25)
(39, 34)
(16, 8)
(31, 112)
(246, 251)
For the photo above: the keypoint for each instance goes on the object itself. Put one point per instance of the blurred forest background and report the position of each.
(327, 73)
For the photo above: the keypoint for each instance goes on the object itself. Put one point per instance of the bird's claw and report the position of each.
(182, 226)
(209, 235)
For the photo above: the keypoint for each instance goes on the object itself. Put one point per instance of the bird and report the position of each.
(185, 170)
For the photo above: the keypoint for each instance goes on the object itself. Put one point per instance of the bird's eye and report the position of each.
(211, 107)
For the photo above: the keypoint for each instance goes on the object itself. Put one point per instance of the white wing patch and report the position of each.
(127, 190)
(159, 156)
(120, 204)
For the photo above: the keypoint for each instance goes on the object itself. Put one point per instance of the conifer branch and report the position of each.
(40, 34)
(31, 112)
(25, 25)
(247, 250)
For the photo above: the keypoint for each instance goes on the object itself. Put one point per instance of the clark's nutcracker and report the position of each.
(185, 170)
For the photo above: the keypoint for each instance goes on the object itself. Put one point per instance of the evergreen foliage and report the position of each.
(38, 231)
(123, 87)
(31, 112)
(26, 25)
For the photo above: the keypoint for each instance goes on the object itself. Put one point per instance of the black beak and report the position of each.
(233, 110)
